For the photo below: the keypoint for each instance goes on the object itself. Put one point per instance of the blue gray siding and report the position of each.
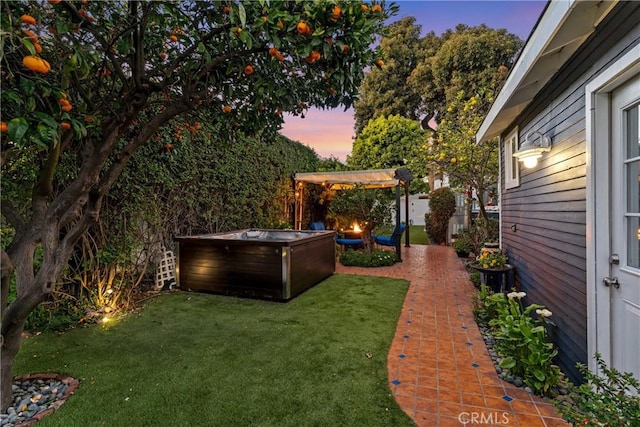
(548, 247)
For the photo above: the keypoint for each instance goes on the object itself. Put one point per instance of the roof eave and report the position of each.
(561, 30)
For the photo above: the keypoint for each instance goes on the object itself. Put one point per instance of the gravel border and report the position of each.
(42, 394)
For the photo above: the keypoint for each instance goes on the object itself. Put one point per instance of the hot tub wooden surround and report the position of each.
(256, 263)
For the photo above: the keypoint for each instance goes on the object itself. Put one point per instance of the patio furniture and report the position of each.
(392, 240)
(350, 243)
(317, 225)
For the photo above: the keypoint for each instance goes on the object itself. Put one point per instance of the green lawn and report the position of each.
(188, 359)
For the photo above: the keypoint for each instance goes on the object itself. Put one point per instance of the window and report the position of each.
(511, 166)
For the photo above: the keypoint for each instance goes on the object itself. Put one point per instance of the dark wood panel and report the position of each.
(254, 270)
(558, 217)
(574, 228)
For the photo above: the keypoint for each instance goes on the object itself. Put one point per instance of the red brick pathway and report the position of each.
(440, 371)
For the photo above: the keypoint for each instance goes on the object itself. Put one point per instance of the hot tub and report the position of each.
(272, 264)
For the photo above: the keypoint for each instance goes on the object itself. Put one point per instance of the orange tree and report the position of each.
(453, 150)
(102, 78)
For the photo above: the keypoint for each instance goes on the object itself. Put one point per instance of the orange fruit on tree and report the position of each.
(264, 18)
(280, 57)
(303, 28)
(364, 7)
(376, 8)
(227, 10)
(54, 1)
(226, 109)
(4, 127)
(163, 56)
(273, 51)
(65, 125)
(248, 69)
(28, 19)
(35, 63)
(31, 35)
(88, 119)
(37, 47)
(313, 57)
(335, 13)
(379, 62)
(280, 25)
(173, 38)
(345, 49)
(238, 31)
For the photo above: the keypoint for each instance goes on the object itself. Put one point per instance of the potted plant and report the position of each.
(493, 268)
(463, 247)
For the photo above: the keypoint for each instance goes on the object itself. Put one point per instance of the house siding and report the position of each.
(548, 209)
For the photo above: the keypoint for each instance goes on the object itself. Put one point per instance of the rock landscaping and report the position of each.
(36, 396)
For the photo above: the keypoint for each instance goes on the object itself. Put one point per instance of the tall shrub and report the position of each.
(442, 203)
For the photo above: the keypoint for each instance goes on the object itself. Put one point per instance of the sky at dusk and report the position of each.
(331, 132)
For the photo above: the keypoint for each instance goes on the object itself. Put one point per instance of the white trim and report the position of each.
(553, 17)
(511, 180)
(563, 27)
(597, 105)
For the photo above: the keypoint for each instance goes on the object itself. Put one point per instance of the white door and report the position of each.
(623, 280)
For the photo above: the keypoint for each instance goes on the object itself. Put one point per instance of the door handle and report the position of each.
(611, 281)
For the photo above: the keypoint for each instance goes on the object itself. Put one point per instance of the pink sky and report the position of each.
(330, 132)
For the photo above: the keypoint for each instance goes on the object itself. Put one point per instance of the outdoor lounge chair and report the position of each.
(392, 240)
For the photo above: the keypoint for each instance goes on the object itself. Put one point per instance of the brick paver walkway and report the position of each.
(440, 371)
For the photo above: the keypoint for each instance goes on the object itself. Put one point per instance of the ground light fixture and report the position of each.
(531, 150)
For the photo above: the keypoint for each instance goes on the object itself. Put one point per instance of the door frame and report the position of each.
(598, 125)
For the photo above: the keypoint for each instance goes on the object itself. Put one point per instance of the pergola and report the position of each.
(342, 180)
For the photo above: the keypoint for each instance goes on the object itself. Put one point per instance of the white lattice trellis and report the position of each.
(166, 273)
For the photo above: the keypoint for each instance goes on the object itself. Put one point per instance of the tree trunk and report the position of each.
(12, 326)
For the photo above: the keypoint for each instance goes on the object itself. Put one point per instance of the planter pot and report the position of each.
(462, 254)
(498, 279)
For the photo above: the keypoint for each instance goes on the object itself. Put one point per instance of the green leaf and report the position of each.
(242, 14)
(246, 39)
(508, 363)
(30, 104)
(12, 95)
(29, 45)
(47, 119)
(537, 329)
(45, 133)
(27, 86)
(18, 127)
(62, 27)
(538, 374)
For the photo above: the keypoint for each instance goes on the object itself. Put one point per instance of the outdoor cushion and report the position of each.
(316, 226)
(390, 240)
(349, 242)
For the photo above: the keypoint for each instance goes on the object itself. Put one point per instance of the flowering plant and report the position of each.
(491, 258)
(522, 342)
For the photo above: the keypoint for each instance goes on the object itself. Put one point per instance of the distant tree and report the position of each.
(386, 142)
(471, 60)
(102, 78)
(384, 91)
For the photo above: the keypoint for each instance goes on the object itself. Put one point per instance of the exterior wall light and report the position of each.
(531, 150)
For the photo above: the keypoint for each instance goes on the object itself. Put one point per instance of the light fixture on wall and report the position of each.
(531, 150)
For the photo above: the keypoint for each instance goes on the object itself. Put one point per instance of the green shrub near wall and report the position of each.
(442, 206)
